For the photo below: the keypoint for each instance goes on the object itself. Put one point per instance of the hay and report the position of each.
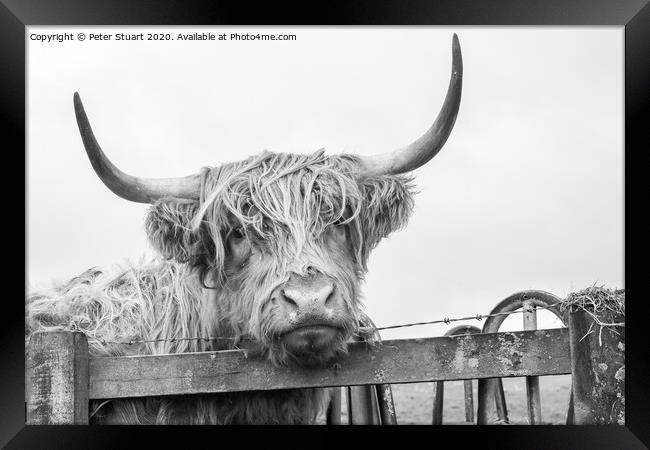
(605, 306)
(599, 301)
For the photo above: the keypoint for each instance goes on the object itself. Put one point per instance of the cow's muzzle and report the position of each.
(310, 308)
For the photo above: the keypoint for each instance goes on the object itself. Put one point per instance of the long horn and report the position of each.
(429, 144)
(141, 190)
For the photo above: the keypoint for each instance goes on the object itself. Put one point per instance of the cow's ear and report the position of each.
(169, 228)
(387, 206)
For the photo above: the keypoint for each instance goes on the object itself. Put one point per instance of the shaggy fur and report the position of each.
(257, 222)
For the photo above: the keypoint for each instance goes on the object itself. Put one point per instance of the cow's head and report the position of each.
(283, 238)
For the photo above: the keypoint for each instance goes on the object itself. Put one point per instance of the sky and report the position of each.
(526, 194)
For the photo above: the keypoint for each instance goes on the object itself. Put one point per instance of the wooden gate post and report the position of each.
(598, 369)
(56, 378)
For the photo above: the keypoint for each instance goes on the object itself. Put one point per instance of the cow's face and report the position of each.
(284, 239)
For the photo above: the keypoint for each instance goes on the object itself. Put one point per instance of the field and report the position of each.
(414, 402)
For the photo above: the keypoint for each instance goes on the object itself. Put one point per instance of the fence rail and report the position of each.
(61, 378)
(398, 361)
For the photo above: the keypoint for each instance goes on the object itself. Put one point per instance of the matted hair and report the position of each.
(280, 195)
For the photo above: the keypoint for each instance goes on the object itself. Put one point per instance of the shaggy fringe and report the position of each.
(280, 195)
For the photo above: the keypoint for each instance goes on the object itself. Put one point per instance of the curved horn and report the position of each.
(141, 190)
(429, 144)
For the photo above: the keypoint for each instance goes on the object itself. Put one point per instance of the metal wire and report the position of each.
(146, 341)
(446, 321)
(478, 317)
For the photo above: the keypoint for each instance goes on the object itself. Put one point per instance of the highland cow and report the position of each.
(266, 253)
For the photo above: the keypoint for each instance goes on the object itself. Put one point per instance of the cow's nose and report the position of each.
(303, 298)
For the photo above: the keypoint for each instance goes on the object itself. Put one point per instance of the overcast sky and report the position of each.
(526, 194)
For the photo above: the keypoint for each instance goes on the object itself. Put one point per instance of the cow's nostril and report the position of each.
(287, 298)
(330, 296)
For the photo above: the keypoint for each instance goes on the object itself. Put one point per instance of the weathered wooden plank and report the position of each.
(598, 367)
(56, 379)
(543, 352)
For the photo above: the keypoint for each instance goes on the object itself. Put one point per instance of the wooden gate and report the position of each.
(61, 378)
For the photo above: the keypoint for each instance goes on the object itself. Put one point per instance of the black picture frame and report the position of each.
(634, 15)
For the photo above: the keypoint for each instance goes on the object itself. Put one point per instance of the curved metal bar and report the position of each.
(510, 304)
(516, 301)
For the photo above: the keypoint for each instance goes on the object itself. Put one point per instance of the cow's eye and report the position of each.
(341, 222)
(237, 233)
